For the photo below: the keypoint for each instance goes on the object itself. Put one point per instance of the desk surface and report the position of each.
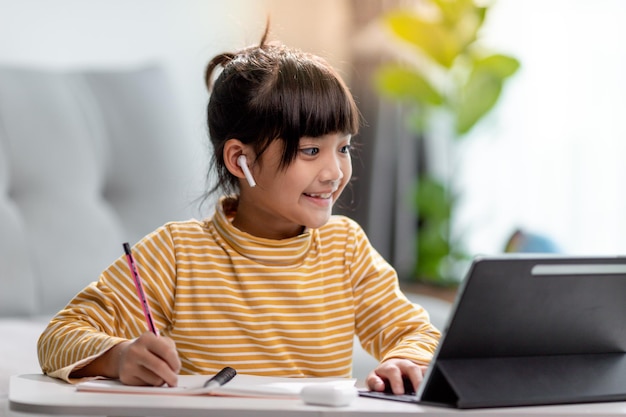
(33, 393)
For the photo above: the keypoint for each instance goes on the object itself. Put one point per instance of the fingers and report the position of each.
(149, 360)
(374, 382)
(168, 353)
(416, 376)
(392, 374)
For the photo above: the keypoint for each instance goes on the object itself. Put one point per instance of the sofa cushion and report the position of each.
(88, 160)
(16, 276)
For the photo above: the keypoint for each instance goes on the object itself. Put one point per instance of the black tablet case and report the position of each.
(533, 331)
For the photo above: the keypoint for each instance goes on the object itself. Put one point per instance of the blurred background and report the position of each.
(546, 161)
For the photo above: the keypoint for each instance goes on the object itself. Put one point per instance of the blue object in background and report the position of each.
(526, 242)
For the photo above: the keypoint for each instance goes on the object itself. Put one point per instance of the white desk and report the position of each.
(33, 393)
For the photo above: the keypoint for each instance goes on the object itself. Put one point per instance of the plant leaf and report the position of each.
(432, 38)
(482, 89)
(432, 199)
(500, 65)
(405, 84)
(463, 18)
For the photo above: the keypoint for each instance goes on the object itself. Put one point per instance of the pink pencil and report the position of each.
(139, 287)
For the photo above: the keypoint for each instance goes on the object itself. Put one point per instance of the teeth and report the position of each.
(325, 195)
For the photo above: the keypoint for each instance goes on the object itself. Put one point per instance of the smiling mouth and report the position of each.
(322, 196)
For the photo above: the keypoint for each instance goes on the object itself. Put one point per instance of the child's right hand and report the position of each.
(148, 360)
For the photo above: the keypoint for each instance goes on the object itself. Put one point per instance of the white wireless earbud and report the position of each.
(243, 164)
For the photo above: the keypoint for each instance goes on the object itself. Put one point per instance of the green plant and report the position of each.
(446, 70)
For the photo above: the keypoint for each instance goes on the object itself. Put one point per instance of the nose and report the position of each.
(332, 170)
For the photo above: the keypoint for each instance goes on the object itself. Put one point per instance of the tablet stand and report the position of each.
(522, 381)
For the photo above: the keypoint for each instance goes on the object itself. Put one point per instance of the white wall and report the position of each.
(551, 158)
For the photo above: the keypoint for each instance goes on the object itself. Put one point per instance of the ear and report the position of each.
(233, 149)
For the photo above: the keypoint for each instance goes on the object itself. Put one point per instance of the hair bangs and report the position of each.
(307, 98)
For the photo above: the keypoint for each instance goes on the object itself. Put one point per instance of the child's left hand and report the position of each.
(394, 371)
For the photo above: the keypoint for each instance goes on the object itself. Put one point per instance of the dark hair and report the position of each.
(269, 92)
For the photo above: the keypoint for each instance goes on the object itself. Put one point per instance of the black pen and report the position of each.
(221, 378)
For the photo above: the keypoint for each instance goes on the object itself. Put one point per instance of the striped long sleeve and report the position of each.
(267, 307)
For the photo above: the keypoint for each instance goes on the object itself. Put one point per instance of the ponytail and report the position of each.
(225, 58)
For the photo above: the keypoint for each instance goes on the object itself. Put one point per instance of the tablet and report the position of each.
(531, 330)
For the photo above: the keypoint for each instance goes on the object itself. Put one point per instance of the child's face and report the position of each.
(303, 194)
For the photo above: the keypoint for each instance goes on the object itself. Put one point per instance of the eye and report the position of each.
(310, 151)
(345, 149)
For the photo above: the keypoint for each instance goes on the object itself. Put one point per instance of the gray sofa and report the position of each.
(88, 160)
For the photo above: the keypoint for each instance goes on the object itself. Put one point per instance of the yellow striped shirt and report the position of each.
(267, 307)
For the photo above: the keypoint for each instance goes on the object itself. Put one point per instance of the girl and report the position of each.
(272, 284)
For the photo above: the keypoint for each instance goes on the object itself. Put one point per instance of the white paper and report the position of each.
(241, 385)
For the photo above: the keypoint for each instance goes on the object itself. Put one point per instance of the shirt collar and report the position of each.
(266, 251)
